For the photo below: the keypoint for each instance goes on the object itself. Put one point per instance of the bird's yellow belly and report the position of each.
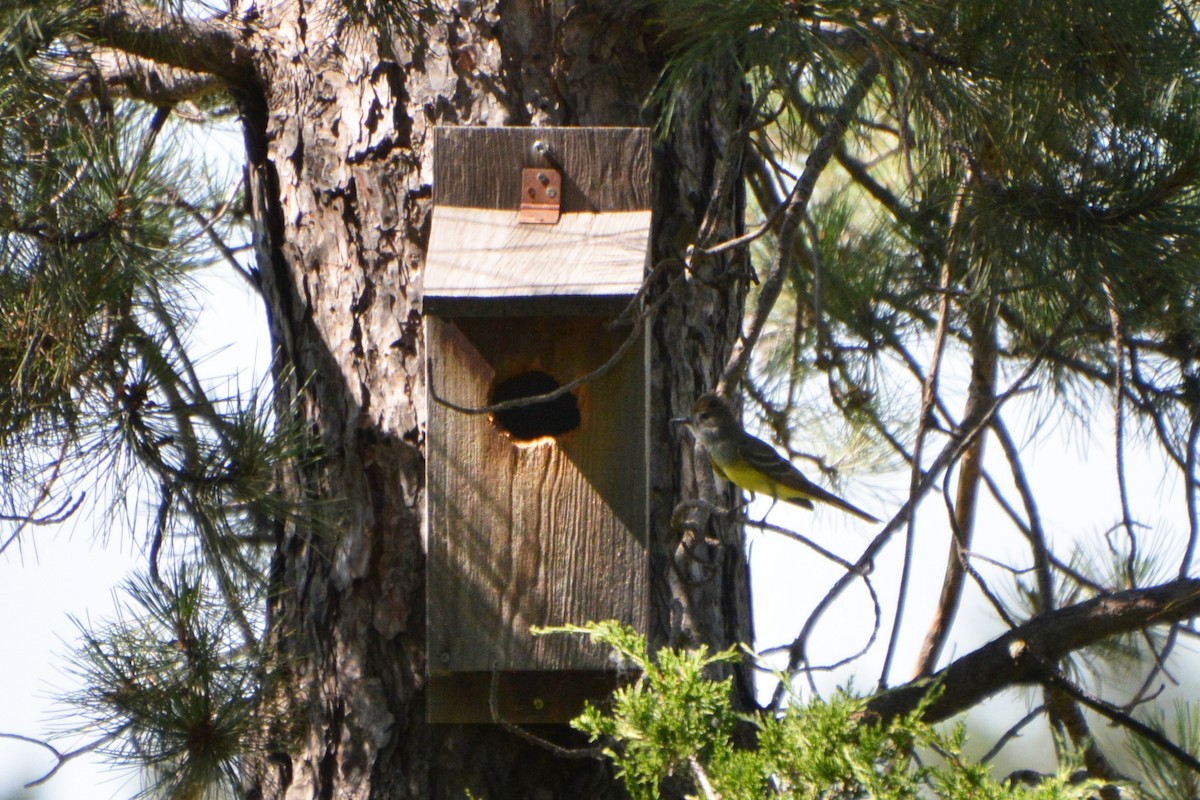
(752, 480)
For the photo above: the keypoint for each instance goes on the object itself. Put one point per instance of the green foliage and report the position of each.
(170, 686)
(674, 725)
(771, 44)
(1165, 777)
(406, 19)
(102, 231)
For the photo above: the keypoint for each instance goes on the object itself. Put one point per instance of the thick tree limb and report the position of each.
(1021, 655)
(205, 46)
(139, 77)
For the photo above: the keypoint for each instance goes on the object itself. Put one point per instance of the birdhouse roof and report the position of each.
(478, 248)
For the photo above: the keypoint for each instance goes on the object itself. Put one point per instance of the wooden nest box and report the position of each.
(537, 516)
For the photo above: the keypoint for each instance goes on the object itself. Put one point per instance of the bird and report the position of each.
(751, 463)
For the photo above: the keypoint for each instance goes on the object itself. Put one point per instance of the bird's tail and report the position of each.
(832, 499)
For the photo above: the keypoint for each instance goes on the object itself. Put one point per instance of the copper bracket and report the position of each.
(541, 196)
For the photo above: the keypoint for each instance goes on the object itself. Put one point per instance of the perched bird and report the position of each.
(753, 464)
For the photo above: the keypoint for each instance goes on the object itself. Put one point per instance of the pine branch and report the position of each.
(793, 215)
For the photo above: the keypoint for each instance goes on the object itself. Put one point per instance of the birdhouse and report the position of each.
(537, 514)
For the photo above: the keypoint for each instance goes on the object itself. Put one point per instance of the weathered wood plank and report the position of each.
(604, 169)
(486, 253)
(540, 533)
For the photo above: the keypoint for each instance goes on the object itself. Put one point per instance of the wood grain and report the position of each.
(541, 533)
(486, 253)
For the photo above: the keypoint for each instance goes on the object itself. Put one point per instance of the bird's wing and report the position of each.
(764, 458)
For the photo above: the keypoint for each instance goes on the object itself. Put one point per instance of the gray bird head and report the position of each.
(713, 419)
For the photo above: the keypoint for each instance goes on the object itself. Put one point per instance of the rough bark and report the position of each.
(339, 129)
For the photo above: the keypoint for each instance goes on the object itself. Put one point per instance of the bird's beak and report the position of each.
(681, 421)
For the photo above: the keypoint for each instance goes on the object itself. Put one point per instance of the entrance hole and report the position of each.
(548, 418)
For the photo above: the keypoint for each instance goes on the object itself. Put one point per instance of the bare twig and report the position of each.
(64, 511)
(761, 230)
(1011, 734)
(60, 757)
(804, 540)
(517, 730)
(1034, 531)
(1057, 680)
(208, 228)
(702, 779)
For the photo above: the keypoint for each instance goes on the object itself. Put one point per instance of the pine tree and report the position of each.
(849, 198)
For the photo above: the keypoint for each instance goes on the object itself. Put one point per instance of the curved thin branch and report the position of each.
(532, 738)
(638, 322)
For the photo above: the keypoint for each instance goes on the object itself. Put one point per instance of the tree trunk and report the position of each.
(339, 135)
